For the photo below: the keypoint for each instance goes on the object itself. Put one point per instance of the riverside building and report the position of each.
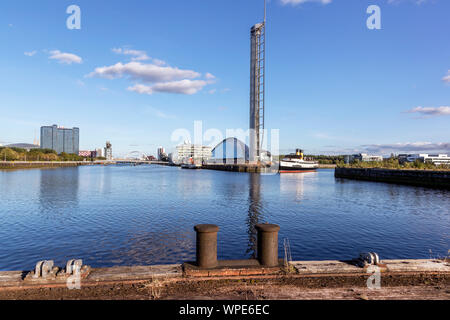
(364, 157)
(108, 151)
(60, 139)
(436, 159)
(187, 151)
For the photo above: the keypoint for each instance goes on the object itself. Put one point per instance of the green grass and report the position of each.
(394, 164)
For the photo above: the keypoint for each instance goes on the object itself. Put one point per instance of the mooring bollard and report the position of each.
(206, 245)
(268, 244)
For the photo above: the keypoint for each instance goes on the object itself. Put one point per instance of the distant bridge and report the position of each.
(136, 155)
(132, 161)
(133, 157)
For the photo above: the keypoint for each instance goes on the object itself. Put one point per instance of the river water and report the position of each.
(143, 215)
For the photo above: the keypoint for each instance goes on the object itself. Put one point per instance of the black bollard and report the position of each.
(206, 245)
(268, 244)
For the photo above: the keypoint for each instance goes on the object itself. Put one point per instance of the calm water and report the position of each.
(121, 215)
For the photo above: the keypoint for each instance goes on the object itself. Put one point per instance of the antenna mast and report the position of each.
(257, 87)
(264, 11)
(264, 77)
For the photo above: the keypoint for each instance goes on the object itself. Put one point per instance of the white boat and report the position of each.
(191, 164)
(294, 163)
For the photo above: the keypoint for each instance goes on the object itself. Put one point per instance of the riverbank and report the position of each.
(11, 165)
(400, 279)
(422, 178)
(251, 168)
(327, 166)
(15, 165)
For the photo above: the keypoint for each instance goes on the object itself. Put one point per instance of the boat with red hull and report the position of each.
(295, 163)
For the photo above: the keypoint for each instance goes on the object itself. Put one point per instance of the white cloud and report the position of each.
(158, 62)
(411, 147)
(431, 111)
(418, 2)
(158, 113)
(137, 55)
(212, 91)
(324, 135)
(297, 2)
(153, 76)
(63, 57)
(185, 86)
(447, 77)
(209, 76)
(30, 53)
(144, 72)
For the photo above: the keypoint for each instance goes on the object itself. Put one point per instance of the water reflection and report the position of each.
(144, 215)
(187, 184)
(295, 183)
(254, 212)
(58, 189)
(144, 247)
(104, 180)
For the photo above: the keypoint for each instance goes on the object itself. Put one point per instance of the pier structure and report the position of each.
(351, 279)
(424, 178)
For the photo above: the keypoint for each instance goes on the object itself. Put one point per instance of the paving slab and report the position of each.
(350, 267)
(136, 273)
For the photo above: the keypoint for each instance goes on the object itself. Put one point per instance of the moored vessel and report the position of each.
(191, 164)
(295, 163)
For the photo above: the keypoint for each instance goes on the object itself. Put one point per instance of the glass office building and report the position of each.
(60, 139)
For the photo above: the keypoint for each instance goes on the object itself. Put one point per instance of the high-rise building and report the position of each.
(108, 151)
(60, 139)
(162, 155)
(257, 87)
(187, 151)
(99, 152)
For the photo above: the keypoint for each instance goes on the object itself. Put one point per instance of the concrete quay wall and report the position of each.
(234, 167)
(422, 178)
(15, 280)
(41, 164)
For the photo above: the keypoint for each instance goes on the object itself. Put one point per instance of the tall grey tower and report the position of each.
(257, 87)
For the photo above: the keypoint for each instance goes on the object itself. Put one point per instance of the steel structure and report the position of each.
(257, 87)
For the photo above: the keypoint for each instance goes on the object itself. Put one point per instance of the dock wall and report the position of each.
(172, 281)
(422, 178)
(234, 167)
(327, 166)
(41, 164)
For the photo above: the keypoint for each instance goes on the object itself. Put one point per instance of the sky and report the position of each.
(138, 72)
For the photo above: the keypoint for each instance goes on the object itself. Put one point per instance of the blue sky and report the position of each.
(138, 70)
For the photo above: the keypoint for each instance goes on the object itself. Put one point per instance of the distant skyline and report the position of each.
(138, 70)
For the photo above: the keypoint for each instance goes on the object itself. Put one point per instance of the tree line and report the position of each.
(393, 163)
(18, 154)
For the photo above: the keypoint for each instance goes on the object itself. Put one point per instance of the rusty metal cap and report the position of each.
(206, 228)
(266, 227)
